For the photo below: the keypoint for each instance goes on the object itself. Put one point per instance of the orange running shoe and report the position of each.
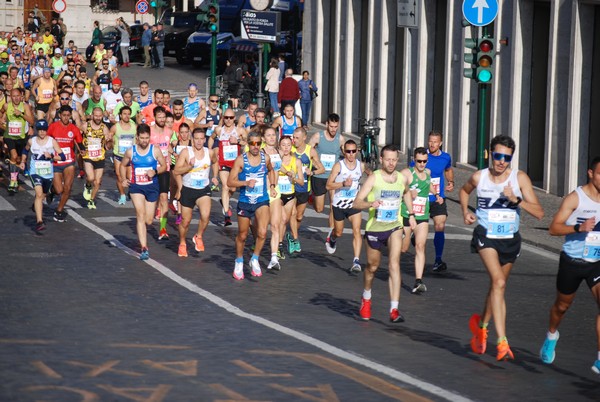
(479, 340)
(198, 243)
(182, 251)
(504, 352)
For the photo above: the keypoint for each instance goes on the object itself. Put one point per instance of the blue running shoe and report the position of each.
(547, 353)
(144, 255)
(596, 367)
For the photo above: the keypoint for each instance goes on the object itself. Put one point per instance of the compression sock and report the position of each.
(163, 223)
(438, 242)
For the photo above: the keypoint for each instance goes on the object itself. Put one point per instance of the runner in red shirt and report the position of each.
(68, 136)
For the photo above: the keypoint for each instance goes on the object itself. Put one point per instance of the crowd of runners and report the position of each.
(60, 121)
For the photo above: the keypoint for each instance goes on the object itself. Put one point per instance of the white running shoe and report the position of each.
(238, 271)
(274, 264)
(256, 271)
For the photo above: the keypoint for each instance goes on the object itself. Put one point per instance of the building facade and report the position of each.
(544, 90)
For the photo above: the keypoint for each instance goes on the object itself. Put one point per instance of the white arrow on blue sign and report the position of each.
(480, 12)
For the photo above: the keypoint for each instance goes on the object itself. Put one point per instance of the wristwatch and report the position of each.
(576, 227)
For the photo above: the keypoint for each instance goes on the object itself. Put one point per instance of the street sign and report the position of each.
(59, 6)
(408, 13)
(480, 12)
(142, 6)
(260, 26)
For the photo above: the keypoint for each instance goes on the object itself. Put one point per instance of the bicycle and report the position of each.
(369, 132)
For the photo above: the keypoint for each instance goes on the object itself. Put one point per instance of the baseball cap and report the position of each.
(3, 55)
(41, 125)
(58, 50)
(117, 81)
(68, 52)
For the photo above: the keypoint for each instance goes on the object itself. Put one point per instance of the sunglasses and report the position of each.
(255, 143)
(105, 64)
(64, 98)
(214, 100)
(420, 160)
(498, 157)
(350, 151)
(70, 65)
(229, 117)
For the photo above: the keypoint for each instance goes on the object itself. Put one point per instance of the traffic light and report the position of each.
(485, 60)
(470, 58)
(481, 58)
(213, 16)
(157, 3)
(203, 15)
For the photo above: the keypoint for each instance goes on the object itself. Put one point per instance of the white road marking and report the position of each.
(218, 301)
(5, 205)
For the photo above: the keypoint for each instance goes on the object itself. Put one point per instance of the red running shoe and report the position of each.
(365, 309)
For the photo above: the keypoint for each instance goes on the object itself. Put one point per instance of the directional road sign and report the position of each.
(480, 12)
(142, 6)
(408, 13)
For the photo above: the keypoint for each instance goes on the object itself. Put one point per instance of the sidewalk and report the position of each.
(532, 231)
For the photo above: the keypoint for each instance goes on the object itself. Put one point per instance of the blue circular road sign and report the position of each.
(480, 12)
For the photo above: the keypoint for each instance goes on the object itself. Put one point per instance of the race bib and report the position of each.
(104, 88)
(47, 94)
(43, 168)
(258, 188)
(436, 185)
(591, 247)
(328, 160)
(388, 211)
(230, 152)
(67, 152)
(502, 224)
(15, 128)
(125, 143)
(419, 204)
(141, 176)
(94, 149)
(164, 148)
(285, 185)
(275, 161)
(199, 178)
(349, 193)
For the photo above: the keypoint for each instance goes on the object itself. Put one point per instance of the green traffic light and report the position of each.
(153, 4)
(484, 76)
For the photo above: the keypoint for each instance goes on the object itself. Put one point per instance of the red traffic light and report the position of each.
(212, 9)
(486, 46)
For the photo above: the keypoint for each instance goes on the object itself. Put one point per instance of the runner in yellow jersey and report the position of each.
(382, 193)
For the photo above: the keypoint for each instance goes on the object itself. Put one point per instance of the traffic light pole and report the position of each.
(259, 95)
(213, 64)
(481, 117)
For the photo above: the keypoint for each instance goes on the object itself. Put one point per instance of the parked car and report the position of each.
(198, 48)
(178, 27)
(111, 37)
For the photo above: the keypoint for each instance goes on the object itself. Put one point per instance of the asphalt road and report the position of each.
(83, 319)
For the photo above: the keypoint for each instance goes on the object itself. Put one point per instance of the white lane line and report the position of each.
(333, 350)
(5, 205)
